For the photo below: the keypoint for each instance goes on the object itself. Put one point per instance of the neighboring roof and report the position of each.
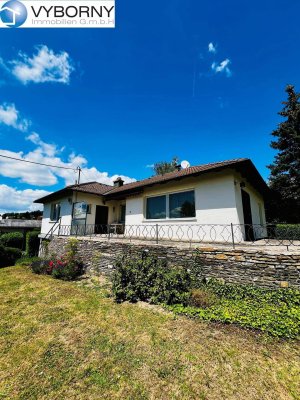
(242, 165)
(20, 223)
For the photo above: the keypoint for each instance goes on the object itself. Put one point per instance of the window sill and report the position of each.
(166, 220)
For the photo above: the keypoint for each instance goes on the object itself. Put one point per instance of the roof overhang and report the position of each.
(245, 167)
(55, 196)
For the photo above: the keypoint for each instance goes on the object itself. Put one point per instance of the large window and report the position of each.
(174, 205)
(156, 207)
(55, 212)
(182, 205)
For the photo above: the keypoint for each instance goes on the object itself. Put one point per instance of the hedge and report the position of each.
(8, 256)
(32, 243)
(12, 239)
(288, 231)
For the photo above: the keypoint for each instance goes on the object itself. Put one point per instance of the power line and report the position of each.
(38, 163)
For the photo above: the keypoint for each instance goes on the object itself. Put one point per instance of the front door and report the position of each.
(123, 213)
(101, 219)
(249, 235)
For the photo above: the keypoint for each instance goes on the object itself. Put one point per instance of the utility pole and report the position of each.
(79, 172)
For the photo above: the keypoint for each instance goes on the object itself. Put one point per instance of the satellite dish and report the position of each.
(185, 164)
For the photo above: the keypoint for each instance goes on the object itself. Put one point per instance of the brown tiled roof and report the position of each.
(175, 175)
(244, 165)
(91, 187)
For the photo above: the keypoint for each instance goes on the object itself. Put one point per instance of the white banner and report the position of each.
(57, 14)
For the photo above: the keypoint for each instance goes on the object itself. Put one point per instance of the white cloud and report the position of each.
(19, 200)
(223, 67)
(39, 175)
(46, 148)
(43, 66)
(212, 48)
(10, 116)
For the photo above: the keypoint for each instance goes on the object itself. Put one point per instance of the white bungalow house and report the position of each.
(210, 202)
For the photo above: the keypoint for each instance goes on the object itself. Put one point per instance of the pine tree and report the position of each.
(285, 170)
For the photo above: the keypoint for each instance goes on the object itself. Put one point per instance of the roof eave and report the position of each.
(242, 166)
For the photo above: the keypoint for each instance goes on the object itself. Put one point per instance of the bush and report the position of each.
(8, 256)
(32, 243)
(150, 279)
(12, 239)
(66, 267)
(287, 232)
(202, 298)
(39, 266)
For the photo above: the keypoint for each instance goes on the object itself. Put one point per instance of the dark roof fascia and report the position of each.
(63, 193)
(55, 196)
(250, 173)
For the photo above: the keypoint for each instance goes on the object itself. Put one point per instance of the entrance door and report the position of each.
(101, 219)
(123, 214)
(249, 234)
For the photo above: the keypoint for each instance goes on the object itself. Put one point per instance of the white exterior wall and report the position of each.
(65, 213)
(67, 208)
(215, 203)
(218, 204)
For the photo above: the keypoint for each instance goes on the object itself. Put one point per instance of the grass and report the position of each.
(59, 340)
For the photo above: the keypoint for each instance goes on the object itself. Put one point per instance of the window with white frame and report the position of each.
(173, 205)
(55, 211)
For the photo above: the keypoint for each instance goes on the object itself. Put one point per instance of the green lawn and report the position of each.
(59, 340)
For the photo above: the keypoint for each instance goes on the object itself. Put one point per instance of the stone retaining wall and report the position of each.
(261, 268)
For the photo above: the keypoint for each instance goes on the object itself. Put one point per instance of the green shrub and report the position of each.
(232, 291)
(39, 266)
(285, 231)
(32, 243)
(8, 256)
(12, 239)
(280, 321)
(69, 266)
(148, 278)
(276, 312)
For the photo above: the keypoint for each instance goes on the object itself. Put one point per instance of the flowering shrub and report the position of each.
(66, 267)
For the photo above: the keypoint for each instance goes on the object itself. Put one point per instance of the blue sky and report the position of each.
(197, 79)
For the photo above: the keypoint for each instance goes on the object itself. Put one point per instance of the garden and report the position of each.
(183, 291)
(151, 331)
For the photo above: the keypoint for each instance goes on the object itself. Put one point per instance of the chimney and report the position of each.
(118, 182)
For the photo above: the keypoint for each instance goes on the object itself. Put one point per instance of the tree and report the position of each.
(162, 167)
(285, 170)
